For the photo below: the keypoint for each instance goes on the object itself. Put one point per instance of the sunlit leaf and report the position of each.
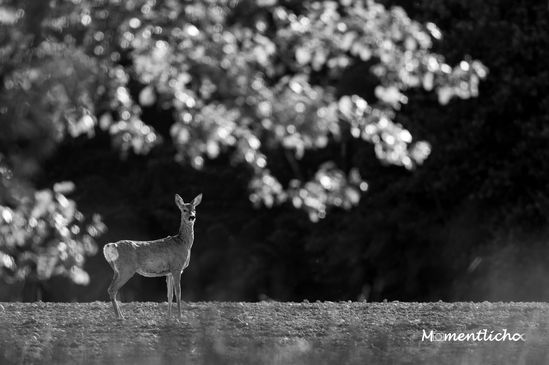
(147, 96)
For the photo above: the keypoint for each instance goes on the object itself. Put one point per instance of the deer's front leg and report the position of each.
(169, 284)
(177, 286)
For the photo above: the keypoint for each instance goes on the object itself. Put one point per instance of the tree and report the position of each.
(254, 80)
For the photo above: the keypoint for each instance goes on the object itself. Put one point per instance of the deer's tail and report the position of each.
(110, 251)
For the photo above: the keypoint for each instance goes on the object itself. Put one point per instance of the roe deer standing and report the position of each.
(164, 257)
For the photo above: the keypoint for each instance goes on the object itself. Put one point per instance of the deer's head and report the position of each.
(188, 210)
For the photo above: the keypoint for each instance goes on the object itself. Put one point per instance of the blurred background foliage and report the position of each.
(283, 113)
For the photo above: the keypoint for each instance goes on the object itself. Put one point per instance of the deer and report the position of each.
(167, 256)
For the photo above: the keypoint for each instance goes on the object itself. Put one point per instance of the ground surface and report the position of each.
(270, 333)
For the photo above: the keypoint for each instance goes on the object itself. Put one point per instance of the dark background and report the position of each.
(469, 224)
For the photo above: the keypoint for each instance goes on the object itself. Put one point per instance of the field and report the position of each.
(271, 333)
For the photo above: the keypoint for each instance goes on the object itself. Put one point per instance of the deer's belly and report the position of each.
(152, 274)
(153, 266)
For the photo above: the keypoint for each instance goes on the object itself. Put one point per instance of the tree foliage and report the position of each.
(247, 79)
(45, 235)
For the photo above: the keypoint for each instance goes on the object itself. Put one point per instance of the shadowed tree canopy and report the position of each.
(254, 81)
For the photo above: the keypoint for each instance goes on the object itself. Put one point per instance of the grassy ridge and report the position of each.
(270, 333)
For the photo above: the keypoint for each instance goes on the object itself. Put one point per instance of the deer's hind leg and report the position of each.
(119, 278)
(169, 284)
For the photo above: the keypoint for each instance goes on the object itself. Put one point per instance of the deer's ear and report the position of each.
(179, 201)
(197, 200)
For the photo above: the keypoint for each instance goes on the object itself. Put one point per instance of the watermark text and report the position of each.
(479, 336)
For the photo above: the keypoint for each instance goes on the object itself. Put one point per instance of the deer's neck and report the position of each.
(186, 233)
